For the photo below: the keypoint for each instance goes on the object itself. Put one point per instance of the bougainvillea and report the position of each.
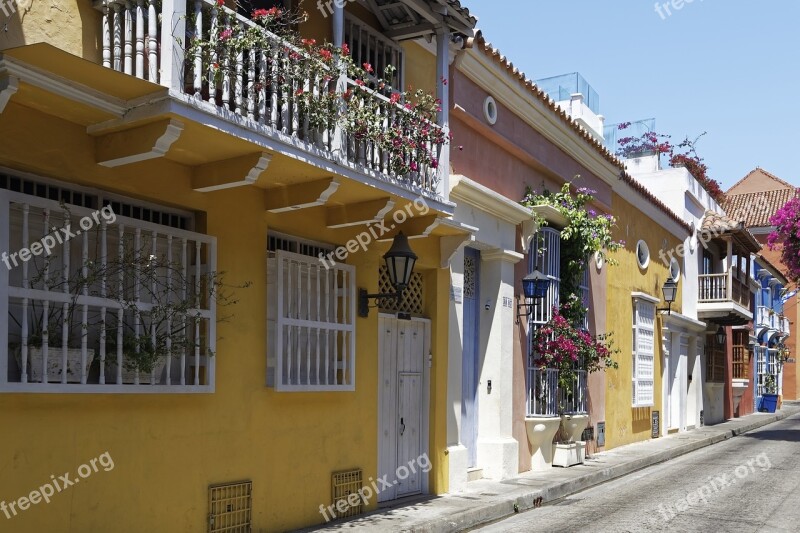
(683, 154)
(786, 237)
(559, 344)
(377, 115)
(586, 233)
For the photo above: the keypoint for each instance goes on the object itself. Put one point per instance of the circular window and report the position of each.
(490, 110)
(674, 269)
(642, 254)
(599, 261)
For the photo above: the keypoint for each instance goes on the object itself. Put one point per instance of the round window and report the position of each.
(490, 110)
(642, 254)
(674, 269)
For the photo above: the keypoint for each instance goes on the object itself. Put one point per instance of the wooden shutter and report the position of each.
(644, 354)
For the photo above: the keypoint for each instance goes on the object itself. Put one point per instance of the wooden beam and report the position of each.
(300, 195)
(141, 143)
(234, 172)
(343, 216)
(8, 86)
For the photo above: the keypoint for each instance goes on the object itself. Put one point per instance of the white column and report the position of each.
(456, 452)
(173, 37)
(443, 93)
(498, 451)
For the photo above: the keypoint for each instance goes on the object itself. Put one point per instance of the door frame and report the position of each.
(390, 440)
(471, 333)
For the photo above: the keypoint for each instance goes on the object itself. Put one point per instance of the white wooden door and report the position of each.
(403, 403)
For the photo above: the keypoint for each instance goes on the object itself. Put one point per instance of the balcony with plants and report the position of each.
(312, 101)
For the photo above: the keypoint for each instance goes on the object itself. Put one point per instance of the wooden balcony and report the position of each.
(724, 299)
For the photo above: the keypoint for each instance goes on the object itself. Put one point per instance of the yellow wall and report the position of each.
(625, 424)
(167, 449)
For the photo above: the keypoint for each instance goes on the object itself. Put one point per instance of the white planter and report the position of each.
(565, 455)
(129, 376)
(574, 425)
(55, 357)
(540, 435)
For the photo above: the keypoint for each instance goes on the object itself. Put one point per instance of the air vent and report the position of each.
(343, 485)
(287, 243)
(230, 507)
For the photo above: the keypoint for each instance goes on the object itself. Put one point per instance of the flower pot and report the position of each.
(129, 376)
(769, 402)
(574, 425)
(54, 363)
(541, 431)
(569, 454)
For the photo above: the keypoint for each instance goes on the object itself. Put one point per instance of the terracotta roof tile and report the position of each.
(760, 170)
(717, 224)
(487, 48)
(756, 208)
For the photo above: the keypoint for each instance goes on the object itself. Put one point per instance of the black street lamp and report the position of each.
(400, 261)
(670, 290)
(534, 288)
(720, 336)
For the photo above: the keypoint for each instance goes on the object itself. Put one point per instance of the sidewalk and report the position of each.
(486, 501)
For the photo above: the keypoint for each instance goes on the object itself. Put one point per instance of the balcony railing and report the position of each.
(257, 84)
(542, 391)
(762, 316)
(784, 325)
(741, 362)
(719, 288)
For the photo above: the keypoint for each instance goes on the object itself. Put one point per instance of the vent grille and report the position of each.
(413, 297)
(279, 242)
(230, 507)
(343, 484)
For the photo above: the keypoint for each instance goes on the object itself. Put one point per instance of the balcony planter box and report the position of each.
(769, 402)
(569, 453)
(54, 360)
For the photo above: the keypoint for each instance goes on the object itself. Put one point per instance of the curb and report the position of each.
(486, 514)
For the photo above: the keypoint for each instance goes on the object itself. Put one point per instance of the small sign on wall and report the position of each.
(656, 424)
(457, 294)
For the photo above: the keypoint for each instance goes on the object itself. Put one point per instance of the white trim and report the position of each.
(681, 322)
(489, 104)
(646, 297)
(477, 195)
(499, 254)
(643, 264)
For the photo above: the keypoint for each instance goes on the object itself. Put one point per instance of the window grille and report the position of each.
(67, 335)
(310, 324)
(643, 374)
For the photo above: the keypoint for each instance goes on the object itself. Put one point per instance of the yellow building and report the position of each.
(636, 313)
(106, 126)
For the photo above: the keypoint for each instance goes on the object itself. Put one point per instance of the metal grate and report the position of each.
(413, 297)
(230, 507)
(343, 484)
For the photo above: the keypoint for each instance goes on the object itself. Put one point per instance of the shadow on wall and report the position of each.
(641, 421)
(73, 25)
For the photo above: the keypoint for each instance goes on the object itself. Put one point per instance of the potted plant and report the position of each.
(769, 400)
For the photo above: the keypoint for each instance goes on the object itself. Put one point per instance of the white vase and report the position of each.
(129, 376)
(55, 358)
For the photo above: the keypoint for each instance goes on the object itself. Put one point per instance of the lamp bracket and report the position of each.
(530, 307)
(364, 298)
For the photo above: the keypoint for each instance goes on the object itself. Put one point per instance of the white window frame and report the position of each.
(643, 356)
(304, 311)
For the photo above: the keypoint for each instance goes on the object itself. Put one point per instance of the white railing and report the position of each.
(77, 323)
(785, 325)
(542, 391)
(723, 287)
(260, 84)
(762, 316)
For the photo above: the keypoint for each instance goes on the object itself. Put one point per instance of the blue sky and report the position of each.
(728, 67)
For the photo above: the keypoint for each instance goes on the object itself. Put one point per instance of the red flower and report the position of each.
(298, 92)
(308, 42)
(367, 67)
(326, 54)
(259, 13)
(345, 49)
(360, 83)
(220, 3)
(225, 34)
(394, 98)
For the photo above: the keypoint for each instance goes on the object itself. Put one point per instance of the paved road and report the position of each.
(746, 484)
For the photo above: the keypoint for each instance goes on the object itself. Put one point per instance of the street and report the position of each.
(747, 484)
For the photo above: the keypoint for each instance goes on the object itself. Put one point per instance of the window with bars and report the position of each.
(113, 304)
(310, 323)
(230, 507)
(643, 373)
(715, 360)
(367, 45)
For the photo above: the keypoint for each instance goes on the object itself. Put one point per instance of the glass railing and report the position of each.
(560, 88)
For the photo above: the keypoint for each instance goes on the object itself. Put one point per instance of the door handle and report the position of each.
(402, 427)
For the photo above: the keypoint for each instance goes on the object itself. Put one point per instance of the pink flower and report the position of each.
(225, 34)
(367, 67)
(414, 167)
